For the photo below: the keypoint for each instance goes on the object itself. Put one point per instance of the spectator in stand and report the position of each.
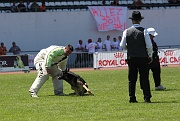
(21, 6)
(28, 6)
(107, 44)
(85, 54)
(119, 41)
(79, 50)
(15, 49)
(3, 49)
(174, 1)
(104, 2)
(43, 7)
(114, 44)
(34, 7)
(137, 4)
(115, 2)
(99, 46)
(14, 8)
(91, 49)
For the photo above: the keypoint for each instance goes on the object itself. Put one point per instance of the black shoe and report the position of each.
(147, 100)
(133, 100)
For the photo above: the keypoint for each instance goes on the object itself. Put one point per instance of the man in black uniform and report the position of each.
(139, 53)
(155, 65)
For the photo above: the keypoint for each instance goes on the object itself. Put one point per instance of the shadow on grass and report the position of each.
(166, 90)
(71, 95)
(157, 102)
(165, 102)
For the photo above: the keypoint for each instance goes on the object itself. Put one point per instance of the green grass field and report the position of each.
(110, 103)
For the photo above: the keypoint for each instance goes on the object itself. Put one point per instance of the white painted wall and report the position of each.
(34, 31)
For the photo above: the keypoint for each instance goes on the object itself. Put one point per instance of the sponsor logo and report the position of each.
(3, 63)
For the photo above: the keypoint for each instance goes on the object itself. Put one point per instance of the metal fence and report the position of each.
(80, 60)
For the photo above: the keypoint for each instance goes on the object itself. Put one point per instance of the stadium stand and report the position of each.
(55, 5)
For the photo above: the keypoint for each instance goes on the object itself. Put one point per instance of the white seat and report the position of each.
(107, 2)
(64, 3)
(155, 8)
(147, 1)
(1, 4)
(76, 3)
(172, 7)
(124, 2)
(57, 3)
(3, 11)
(130, 1)
(77, 10)
(65, 10)
(159, 1)
(167, 7)
(88, 3)
(164, 1)
(94, 2)
(162, 8)
(59, 10)
(99, 2)
(51, 3)
(82, 3)
(70, 3)
(7, 4)
(154, 1)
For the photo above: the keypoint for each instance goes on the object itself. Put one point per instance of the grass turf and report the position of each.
(111, 101)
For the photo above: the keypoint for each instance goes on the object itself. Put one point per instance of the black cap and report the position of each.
(136, 15)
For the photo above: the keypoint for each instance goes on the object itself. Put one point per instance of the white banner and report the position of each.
(117, 59)
(169, 56)
(109, 17)
(110, 59)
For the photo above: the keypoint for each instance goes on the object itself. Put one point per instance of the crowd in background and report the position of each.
(174, 1)
(35, 6)
(99, 45)
(14, 49)
(28, 7)
(137, 4)
(85, 50)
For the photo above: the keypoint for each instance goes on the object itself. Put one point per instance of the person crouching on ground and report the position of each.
(50, 62)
